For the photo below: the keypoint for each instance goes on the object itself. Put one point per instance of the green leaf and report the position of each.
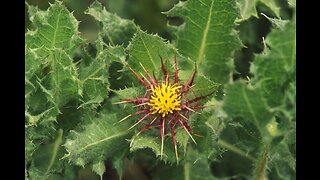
(30, 147)
(289, 107)
(273, 87)
(58, 85)
(54, 28)
(272, 4)
(99, 138)
(207, 35)
(32, 62)
(61, 84)
(118, 161)
(143, 141)
(206, 125)
(292, 3)
(129, 93)
(276, 23)
(196, 166)
(248, 104)
(99, 168)
(248, 8)
(51, 77)
(182, 138)
(203, 86)
(94, 80)
(146, 49)
(274, 68)
(154, 143)
(283, 155)
(94, 75)
(113, 29)
(116, 54)
(45, 163)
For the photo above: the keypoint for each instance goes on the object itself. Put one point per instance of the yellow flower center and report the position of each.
(165, 98)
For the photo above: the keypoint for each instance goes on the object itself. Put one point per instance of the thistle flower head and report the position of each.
(165, 104)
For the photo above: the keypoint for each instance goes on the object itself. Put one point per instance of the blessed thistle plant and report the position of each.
(70, 82)
(164, 104)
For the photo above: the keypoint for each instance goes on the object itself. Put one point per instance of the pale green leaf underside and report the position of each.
(207, 35)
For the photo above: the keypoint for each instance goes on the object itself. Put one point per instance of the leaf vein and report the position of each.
(204, 36)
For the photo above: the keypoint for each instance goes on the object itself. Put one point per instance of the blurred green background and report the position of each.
(147, 14)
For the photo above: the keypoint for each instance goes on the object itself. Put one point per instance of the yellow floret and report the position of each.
(165, 98)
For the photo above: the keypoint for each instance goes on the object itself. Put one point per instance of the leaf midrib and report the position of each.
(56, 30)
(102, 140)
(148, 52)
(204, 36)
(249, 106)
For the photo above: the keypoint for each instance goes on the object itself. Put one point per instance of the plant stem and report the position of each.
(186, 169)
(261, 164)
(235, 149)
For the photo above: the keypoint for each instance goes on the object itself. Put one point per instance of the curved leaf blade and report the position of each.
(98, 139)
(57, 29)
(146, 49)
(208, 36)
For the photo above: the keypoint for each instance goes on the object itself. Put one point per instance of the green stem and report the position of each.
(262, 162)
(235, 149)
(186, 169)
